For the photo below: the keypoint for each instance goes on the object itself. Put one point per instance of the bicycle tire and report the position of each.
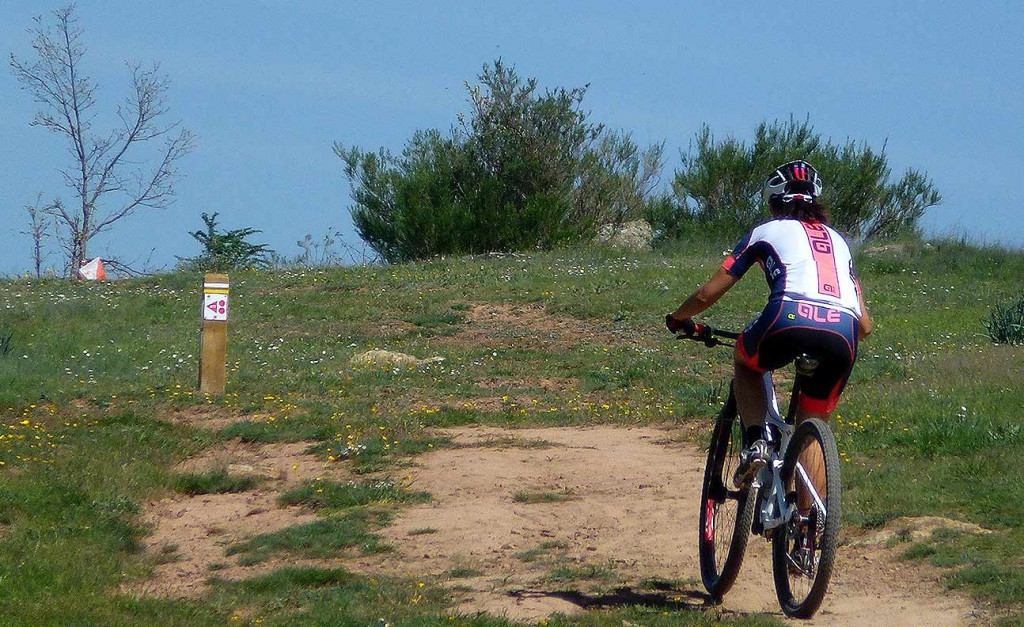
(802, 565)
(722, 542)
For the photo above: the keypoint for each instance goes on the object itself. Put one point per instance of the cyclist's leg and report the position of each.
(751, 395)
(750, 383)
(754, 398)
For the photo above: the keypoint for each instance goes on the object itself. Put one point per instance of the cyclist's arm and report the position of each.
(706, 296)
(864, 324)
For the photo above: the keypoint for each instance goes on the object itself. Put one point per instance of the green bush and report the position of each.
(720, 181)
(224, 251)
(523, 170)
(1005, 323)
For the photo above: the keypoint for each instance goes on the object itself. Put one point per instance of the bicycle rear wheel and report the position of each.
(804, 549)
(725, 515)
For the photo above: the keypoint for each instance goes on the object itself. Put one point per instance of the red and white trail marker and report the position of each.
(215, 306)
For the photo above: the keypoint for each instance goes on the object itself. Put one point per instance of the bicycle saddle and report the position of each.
(806, 365)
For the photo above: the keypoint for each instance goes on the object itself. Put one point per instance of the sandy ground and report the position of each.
(626, 510)
(193, 534)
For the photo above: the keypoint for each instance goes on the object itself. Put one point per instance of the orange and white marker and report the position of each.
(93, 271)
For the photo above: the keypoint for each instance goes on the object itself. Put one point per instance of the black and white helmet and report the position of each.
(796, 180)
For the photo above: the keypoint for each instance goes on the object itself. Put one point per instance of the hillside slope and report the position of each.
(99, 410)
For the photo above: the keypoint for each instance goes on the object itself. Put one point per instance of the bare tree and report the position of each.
(38, 226)
(106, 178)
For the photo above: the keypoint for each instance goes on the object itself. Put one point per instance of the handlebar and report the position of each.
(709, 335)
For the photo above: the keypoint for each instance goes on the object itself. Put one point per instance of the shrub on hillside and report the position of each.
(720, 181)
(224, 251)
(521, 170)
(1005, 323)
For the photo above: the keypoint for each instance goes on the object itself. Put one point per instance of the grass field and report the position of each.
(95, 374)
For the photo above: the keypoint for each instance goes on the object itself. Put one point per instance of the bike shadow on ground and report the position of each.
(666, 598)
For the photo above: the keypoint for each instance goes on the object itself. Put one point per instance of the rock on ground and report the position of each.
(390, 359)
(636, 235)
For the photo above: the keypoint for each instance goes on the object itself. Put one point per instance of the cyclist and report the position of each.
(815, 306)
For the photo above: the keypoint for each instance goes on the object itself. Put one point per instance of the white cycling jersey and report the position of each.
(802, 261)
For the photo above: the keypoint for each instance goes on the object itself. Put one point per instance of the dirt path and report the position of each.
(629, 513)
(191, 534)
(527, 523)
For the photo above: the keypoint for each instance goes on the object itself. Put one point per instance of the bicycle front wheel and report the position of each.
(804, 548)
(725, 514)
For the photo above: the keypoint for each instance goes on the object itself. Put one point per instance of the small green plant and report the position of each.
(216, 482)
(502, 442)
(530, 498)
(1005, 323)
(168, 554)
(463, 572)
(422, 531)
(541, 550)
(330, 495)
(918, 550)
(321, 538)
(319, 252)
(224, 251)
(902, 536)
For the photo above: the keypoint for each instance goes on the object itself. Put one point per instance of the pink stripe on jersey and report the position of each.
(824, 258)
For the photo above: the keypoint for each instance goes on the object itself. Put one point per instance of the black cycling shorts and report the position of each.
(785, 329)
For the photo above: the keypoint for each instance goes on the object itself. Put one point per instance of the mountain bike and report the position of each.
(793, 502)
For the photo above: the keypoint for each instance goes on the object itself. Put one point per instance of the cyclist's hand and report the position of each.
(675, 325)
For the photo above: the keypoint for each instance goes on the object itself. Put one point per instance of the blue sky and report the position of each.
(268, 87)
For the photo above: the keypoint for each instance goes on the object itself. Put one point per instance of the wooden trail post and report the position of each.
(214, 341)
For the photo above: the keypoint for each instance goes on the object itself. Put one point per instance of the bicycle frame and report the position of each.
(773, 509)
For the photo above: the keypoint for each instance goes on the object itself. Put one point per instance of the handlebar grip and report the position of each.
(691, 330)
